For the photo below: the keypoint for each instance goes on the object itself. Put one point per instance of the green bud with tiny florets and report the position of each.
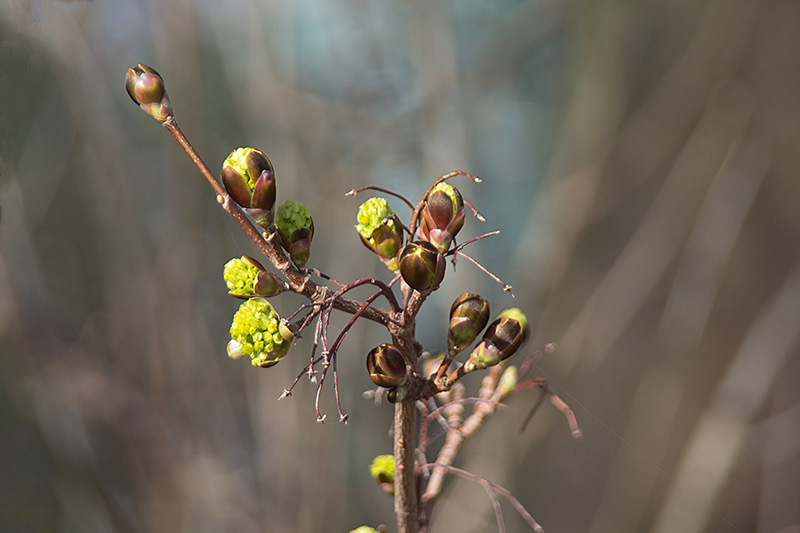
(249, 179)
(295, 229)
(502, 340)
(382, 471)
(246, 278)
(380, 230)
(368, 529)
(469, 314)
(257, 332)
(146, 87)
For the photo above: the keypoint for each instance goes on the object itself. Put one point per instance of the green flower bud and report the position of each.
(295, 229)
(502, 340)
(246, 278)
(366, 529)
(146, 87)
(256, 331)
(422, 266)
(240, 275)
(380, 230)
(508, 380)
(249, 178)
(386, 366)
(469, 314)
(382, 471)
(442, 217)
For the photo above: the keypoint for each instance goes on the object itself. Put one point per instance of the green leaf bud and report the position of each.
(502, 340)
(295, 229)
(249, 179)
(382, 471)
(146, 87)
(442, 217)
(368, 529)
(422, 266)
(256, 332)
(380, 230)
(386, 366)
(469, 314)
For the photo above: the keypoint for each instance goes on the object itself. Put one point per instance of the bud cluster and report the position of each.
(257, 332)
(380, 230)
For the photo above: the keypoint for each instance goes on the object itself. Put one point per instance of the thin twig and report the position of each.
(492, 496)
(353, 192)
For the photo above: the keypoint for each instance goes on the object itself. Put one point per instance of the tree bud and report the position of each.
(396, 394)
(502, 340)
(256, 331)
(380, 230)
(442, 217)
(469, 314)
(249, 179)
(240, 275)
(386, 366)
(382, 471)
(295, 229)
(146, 87)
(422, 266)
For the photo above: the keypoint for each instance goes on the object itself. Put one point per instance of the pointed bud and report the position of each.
(469, 314)
(146, 87)
(502, 340)
(268, 285)
(249, 179)
(295, 229)
(256, 332)
(422, 266)
(380, 230)
(442, 217)
(386, 366)
(382, 471)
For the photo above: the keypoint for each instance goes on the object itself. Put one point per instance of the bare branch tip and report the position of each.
(286, 393)
(343, 418)
(351, 192)
(321, 419)
(577, 434)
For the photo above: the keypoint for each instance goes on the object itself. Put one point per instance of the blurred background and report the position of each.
(642, 159)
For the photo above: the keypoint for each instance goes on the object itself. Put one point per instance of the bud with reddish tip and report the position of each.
(442, 217)
(422, 266)
(469, 314)
(146, 87)
(380, 230)
(295, 229)
(502, 340)
(386, 366)
(249, 179)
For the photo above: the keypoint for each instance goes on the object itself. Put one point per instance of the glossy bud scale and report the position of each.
(146, 87)
(422, 266)
(249, 179)
(502, 340)
(386, 366)
(442, 217)
(469, 314)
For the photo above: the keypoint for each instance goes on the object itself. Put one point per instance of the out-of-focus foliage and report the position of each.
(640, 158)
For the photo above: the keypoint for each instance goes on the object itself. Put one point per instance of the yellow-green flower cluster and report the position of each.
(382, 471)
(371, 214)
(240, 276)
(292, 216)
(256, 332)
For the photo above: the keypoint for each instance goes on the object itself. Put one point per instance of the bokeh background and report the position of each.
(642, 159)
